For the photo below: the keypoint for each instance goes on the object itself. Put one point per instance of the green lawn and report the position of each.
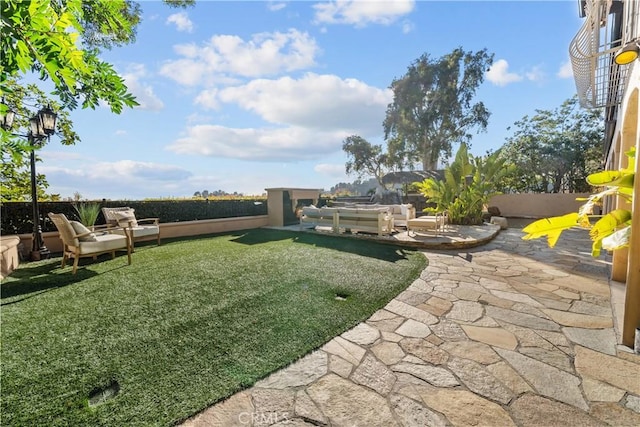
(187, 324)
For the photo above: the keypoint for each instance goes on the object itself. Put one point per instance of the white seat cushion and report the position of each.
(104, 243)
(139, 231)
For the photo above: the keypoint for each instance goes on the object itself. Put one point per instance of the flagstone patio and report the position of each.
(510, 333)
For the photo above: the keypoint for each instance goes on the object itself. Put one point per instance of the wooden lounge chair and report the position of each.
(138, 229)
(78, 241)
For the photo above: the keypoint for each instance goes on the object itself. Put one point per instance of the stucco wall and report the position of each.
(275, 198)
(167, 230)
(534, 205)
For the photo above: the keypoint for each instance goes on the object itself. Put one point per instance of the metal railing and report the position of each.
(609, 25)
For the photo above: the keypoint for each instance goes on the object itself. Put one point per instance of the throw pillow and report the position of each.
(79, 228)
(126, 217)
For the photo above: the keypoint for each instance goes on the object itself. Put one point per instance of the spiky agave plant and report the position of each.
(88, 213)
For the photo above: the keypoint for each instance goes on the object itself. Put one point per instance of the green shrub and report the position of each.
(468, 184)
(16, 217)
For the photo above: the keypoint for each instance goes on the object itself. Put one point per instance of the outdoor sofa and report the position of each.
(370, 220)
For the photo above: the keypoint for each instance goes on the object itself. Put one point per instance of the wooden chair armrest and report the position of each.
(101, 227)
(110, 229)
(78, 236)
(154, 220)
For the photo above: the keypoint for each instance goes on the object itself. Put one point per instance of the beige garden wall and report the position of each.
(537, 205)
(167, 230)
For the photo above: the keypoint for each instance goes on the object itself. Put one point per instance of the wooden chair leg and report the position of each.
(129, 247)
(75, 264)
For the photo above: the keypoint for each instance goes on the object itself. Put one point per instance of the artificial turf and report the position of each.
(189, 323)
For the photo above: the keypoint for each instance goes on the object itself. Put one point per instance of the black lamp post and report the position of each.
(42, 125)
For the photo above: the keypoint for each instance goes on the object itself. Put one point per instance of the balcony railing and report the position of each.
(608, 25)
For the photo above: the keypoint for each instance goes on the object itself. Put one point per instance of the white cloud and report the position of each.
(120, 132)
(331, 170)
(208, 99)
(499, 74)
(117, 179)
(198, 118)
(127, 170)
(279, 144)
(361, 13)
(187, 72)
(535, 74)
(265, 54)
(143, 92)
(407, 27)
(314, 101)
(181, 21)
(565, 71)
(274, 6)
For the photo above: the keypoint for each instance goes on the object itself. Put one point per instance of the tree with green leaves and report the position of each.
(366, 159)
(59, 41)
(14, 173)
(611, 231)
(433, 106)
(555, 150)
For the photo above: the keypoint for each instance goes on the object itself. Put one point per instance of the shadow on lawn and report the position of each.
(34, 279)
(364, 248)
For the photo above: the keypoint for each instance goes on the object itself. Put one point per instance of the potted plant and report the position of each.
(88, 213)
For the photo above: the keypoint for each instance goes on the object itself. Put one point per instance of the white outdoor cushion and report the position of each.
(104, 243)
(126, 217)
(79, 228)
(139, 231)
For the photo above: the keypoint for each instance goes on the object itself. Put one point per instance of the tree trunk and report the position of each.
(427, 163)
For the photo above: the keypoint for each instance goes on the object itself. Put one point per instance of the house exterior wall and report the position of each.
(603, 81)
(626, 262)
(629, 130)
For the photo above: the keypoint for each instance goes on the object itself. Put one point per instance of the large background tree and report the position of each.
(433, 106)
(555, 150)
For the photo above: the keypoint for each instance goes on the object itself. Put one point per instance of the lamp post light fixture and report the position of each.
(628, 53)
(42, 125)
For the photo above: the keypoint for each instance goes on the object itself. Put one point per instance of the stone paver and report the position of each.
(463, 408)
(509, 333)
(611, 370)
(492, 336)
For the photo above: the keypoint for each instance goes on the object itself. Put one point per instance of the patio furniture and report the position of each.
(372, 220)
(78, 241)
(138, 229)
(436, 222)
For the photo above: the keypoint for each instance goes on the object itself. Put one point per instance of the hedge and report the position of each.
(16, 217)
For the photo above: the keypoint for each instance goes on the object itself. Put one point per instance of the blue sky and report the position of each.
(243, 96)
